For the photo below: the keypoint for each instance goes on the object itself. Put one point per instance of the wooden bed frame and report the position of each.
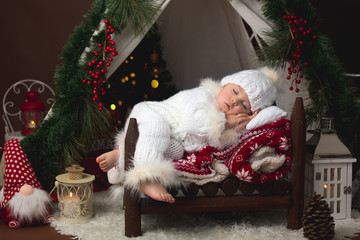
(280, 194)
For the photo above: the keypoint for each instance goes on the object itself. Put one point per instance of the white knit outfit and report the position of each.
(186, 122)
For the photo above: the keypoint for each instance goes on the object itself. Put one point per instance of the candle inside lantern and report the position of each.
(71, 205)
(72, 198)
(32, 124)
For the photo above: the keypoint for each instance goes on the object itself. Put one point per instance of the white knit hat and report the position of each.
(260, 86)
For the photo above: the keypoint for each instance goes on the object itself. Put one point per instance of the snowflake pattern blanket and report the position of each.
(236, 157)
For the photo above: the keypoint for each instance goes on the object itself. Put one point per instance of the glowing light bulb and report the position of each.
(325, 186)
(133, 82)
(154, 83)
(112, 107)
(132, 75)
(120, 103)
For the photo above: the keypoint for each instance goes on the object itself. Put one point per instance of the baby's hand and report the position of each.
(239, 121)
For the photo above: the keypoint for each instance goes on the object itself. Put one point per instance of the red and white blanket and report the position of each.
(236, 157)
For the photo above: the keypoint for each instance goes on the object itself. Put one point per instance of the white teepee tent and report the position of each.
(207, 38)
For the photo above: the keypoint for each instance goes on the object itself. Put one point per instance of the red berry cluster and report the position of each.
(103, 56)
(300, 31)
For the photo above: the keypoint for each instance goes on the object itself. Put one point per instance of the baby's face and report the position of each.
(233, 99)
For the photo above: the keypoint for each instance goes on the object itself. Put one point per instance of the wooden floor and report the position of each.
(42, 232)
(38, 232)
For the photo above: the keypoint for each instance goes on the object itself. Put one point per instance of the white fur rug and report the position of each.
(108, 223)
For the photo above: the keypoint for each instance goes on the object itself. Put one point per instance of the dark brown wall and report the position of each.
(34, 32)
(340, 22)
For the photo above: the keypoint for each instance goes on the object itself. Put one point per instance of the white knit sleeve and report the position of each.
(204, 121)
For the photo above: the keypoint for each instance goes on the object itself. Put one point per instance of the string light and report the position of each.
(120, 103)
(133, 82)
(112, 107)
(154, 83)
(132, 75)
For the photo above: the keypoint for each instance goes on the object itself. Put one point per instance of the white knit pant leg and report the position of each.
(149, 161)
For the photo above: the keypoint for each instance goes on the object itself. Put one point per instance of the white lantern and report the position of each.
(333, 171)
(75, 192)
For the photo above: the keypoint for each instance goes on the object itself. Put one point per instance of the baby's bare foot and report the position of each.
(108, 160)
(157, 192)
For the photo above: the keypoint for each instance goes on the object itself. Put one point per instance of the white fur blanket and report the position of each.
(108, 223)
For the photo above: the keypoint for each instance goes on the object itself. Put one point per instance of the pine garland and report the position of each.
(329, 89)
(75, 119)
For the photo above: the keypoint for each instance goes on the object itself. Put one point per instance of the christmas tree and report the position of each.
(141, 77)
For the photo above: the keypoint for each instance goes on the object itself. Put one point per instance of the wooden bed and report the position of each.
(224, 196)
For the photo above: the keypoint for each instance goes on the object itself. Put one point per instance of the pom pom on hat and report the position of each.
(260, 85)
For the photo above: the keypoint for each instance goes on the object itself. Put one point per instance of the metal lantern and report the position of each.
(33, 112)
(333, 171)
(75, 193)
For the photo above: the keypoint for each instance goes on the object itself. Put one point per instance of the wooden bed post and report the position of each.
(298, 138)
(131, 204)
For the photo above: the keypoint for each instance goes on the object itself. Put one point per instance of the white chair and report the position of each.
(12, 101)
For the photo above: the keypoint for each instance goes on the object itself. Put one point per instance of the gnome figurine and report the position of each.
(22, 198)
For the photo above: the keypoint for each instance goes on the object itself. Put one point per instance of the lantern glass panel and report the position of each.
(332, 174)
(338, 190)
(339, 174)
(325, 174)
(338, 204)
(332, 190)
(332, 206)
(325, 191)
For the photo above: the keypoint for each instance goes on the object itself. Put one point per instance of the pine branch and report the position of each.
(329, 90)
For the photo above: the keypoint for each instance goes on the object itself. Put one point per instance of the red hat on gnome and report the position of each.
(18, 171)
